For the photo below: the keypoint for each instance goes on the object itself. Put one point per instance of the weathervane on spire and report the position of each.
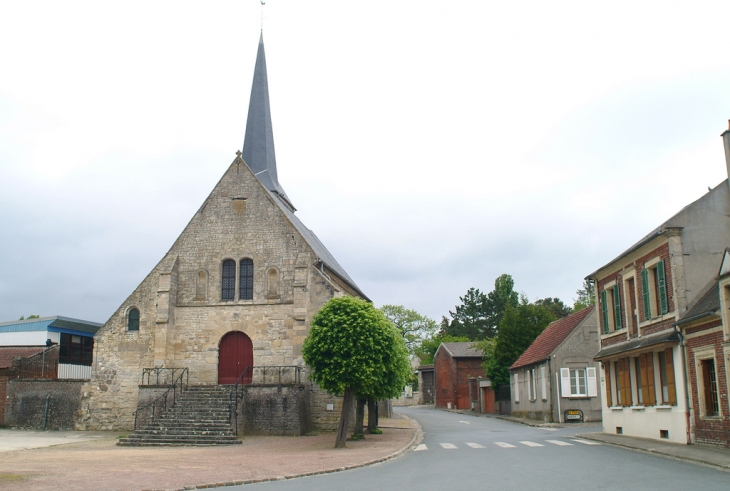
(263, 2)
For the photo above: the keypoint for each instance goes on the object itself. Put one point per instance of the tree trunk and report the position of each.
(359, 416)
(345, 418)
(372, 415)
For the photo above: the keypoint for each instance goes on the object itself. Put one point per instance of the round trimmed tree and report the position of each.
(352, 348)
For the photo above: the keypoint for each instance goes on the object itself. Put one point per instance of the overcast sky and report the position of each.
(432, 146)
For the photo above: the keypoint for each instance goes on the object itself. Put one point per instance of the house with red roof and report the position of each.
(555, 379)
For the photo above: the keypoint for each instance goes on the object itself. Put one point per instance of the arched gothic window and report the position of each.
(246, 286)
(228, 280)
(133, 319)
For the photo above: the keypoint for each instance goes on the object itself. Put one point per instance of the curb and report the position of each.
(649, 451)
(415, 440)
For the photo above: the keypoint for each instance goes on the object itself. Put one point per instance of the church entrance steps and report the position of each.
(199, 417)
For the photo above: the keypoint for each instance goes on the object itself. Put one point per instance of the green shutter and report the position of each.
(604, 311)
(647, 297)
(662, 287)
(617, 307)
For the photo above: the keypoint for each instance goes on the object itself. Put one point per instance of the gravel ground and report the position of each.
(102, 466)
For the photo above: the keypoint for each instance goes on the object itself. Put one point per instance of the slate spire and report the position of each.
(258, 144)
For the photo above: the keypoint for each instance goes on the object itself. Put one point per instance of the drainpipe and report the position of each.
(550, 370)
(557, 396)
(682, 351)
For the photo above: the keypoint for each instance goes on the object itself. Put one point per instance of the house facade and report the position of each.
(556, 379)
(641, 294)
(457, 371)
(705, 329)
(237, 290)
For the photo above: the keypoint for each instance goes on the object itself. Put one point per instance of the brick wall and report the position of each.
(445, 373)
(711, 431)
(3, 397)
(26, 400)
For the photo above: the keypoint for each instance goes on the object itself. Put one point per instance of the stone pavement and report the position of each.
(697, 454)
(100, 465)
(26, 439)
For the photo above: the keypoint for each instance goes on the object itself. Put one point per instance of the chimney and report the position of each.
(726, 143)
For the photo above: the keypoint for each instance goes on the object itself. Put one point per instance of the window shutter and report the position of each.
(644, 380)
(650, 379)
(565, 382)
(517, 387)
(664, 306)
(671, 388)
(591, 382)
(646, 295)
(528, 376)
(604, 311)
(543, 382)
(625, 370)
(617, 307)
(607, 372)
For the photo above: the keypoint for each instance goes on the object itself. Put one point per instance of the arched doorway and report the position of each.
(235, 354)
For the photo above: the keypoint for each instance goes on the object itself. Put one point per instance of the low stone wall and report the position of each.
(274, 410)
(26, 402)
(407, 401)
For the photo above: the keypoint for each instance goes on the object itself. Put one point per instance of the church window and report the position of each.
(246, 286)
(273, 277)
(201, 285)
(228, 280)
(133, 320)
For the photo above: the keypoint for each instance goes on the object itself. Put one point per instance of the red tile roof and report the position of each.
(550, 338)
(7, 353)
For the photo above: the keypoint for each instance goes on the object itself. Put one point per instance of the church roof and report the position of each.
(258, 143)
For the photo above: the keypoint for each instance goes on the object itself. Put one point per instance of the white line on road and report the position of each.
(420, 447)
(475, 445)
(559, 442)
(465, 422)
(532, 444)
(585, 442)
(504, 445)
(549, 429)
(448, 446)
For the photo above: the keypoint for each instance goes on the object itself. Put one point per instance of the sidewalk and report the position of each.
(697, 454)
(100, 465)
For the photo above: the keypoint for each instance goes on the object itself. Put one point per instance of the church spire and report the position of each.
(258, 144)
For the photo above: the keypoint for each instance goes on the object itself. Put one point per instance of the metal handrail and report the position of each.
(247, 377)
(178, 382)
(155, 372)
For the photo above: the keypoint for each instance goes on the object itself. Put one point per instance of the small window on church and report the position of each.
(228, 280)
(201, 285)
(246, 286)
(133, 320)
(273, 283)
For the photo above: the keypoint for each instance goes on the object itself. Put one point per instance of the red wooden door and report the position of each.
(235, 354)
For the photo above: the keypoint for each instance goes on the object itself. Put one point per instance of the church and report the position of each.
(237, 290)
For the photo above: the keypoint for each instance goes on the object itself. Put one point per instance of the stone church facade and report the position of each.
(238, 288)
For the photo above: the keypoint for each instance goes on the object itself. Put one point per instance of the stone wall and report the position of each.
(26, 401)
(274, 410)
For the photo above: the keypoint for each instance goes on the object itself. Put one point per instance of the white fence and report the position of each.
(75, 372)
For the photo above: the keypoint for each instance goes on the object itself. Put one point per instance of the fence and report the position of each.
(40, 365)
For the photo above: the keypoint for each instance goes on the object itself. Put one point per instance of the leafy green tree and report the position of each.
(32, 316)
(428, 347)
(556, 306)
(503, 296)
(586, 297)
(413, 326)
(353, 349)
(518, 329)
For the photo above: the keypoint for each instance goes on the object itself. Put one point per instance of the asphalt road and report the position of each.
(467, 452)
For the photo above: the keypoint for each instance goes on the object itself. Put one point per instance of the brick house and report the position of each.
(555, 379)
(641, 294)
(705, 329)
(458, 372)
(237, 290)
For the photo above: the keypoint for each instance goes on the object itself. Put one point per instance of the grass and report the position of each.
(6, 477)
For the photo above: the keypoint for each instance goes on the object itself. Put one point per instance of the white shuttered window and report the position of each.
(592, 383)
(565, 382)
(516, 390)
(543, 380)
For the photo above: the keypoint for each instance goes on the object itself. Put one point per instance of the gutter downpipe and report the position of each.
(550, 370)
(557, 396)
(682, 351)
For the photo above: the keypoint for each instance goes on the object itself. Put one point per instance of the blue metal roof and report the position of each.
(55, 323)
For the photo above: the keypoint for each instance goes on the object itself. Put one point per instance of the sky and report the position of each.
(431, 146)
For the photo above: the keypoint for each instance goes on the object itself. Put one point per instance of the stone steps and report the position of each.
(199, 417)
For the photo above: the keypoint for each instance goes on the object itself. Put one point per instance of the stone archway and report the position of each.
(235, 354)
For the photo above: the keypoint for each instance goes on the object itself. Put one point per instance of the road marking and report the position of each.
(420, 447)
(549, 429)
(559, 442)
(532, 444)
(475, 445)
(465, 422)
(585, 442)
(504, 445)
(448, 446)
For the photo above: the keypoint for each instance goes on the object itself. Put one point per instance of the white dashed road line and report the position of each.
(475, 445)
(420, 447)
(559, 442)
(448, 446)
(585, 442)
(532, 444)
(504, 445)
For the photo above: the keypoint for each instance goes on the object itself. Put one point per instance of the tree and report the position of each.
(586, 296)
(518, 329)
(413, 326)
(32, 316)
(353, 349)
(555, 306)
(479, 314)
(427, 349)
(503, 296)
